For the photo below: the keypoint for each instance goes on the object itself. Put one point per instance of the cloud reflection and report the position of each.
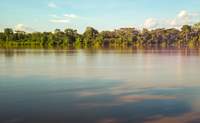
(191, 117)
(140, 68)
(121, 100)
(138, 98)
(108, 120)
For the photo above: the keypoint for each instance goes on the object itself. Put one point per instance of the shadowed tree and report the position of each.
(9, 34)
(185, 31)
(89, 36)
(123, 37)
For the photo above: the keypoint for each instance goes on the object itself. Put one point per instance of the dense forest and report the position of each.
(187, 36)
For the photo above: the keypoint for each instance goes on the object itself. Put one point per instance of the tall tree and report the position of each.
(89, 36)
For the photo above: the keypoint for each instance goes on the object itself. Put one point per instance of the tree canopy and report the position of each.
(124, 37)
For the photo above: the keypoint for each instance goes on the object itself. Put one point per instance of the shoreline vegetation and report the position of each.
(187, 36)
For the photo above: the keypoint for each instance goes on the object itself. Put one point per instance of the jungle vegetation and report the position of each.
(187, 36)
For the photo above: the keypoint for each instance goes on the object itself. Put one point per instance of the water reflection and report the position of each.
(99, 86)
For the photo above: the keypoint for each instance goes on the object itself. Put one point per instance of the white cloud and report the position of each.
(150, 23)
(22, 27)
(67, 18)
(185, 17)
(52, 5)
(70, 16)
(182, 18)
(183, 14)
(54, 16)
(59, 20)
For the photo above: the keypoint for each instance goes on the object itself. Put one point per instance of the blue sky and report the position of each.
(46, 15)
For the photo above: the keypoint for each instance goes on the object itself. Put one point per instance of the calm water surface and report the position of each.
(100, 86)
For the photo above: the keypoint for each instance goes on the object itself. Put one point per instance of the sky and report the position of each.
(47, 15)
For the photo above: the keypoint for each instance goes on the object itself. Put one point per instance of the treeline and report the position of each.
(188, 36)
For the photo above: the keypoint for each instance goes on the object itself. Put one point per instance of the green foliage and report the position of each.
(123, 37)
(196, 26)
(89, 36)
(78, 42)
